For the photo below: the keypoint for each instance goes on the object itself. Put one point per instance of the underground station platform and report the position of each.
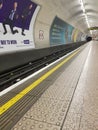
(63, 96)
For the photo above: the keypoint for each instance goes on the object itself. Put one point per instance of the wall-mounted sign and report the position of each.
(41, 34)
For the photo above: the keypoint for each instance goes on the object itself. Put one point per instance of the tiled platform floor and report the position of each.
(71, 102)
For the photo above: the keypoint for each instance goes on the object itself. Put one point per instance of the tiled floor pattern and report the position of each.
(59, 108)
(83, 113)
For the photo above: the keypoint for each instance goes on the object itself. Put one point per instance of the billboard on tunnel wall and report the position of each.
(60, 32)
(17, 19)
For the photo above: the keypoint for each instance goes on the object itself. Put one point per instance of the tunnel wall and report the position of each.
(39, 23)
(48, 11)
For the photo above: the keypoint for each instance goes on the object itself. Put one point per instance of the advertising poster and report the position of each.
(17, 19)
(70, 32)
(57, 32)
(60, 32)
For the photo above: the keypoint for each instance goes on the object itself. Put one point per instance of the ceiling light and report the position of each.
(82, 6)
(84, 12)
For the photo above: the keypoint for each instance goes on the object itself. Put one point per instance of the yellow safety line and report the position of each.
(15, 99)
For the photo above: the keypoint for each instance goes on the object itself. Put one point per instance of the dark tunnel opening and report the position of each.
(88, 38)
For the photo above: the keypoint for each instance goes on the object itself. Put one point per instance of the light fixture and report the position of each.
(84, 12)
(82, 6)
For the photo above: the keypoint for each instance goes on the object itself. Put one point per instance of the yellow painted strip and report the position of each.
(75, 35)
(15, 99)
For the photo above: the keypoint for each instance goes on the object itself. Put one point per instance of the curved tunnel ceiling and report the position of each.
(82, 14)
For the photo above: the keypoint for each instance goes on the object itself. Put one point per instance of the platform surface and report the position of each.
(65, 100)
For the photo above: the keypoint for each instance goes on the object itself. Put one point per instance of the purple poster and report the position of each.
(16, 24)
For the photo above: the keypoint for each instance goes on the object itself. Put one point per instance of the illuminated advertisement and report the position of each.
(60, 32)
(17, 19)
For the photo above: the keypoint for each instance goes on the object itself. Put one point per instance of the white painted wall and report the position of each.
(48, 10)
